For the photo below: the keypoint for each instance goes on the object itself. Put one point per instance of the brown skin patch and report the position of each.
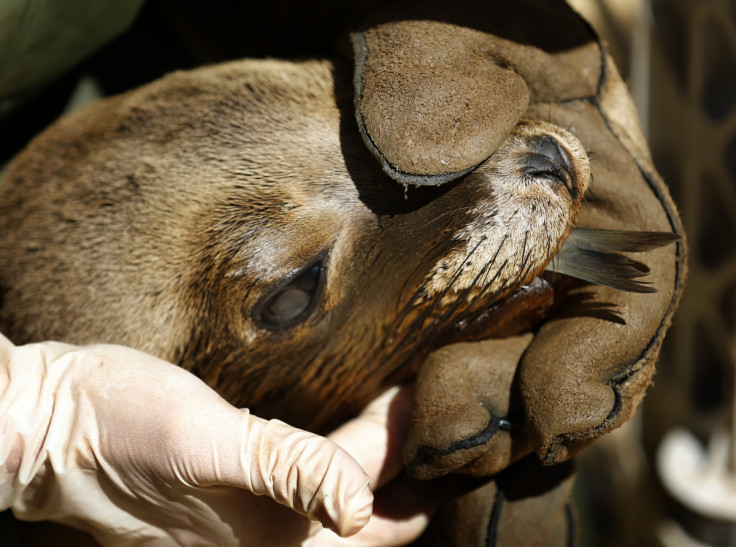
(172, 218)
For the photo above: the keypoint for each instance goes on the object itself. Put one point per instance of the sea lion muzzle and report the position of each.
(523, 204)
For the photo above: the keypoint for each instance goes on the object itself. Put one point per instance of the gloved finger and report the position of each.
(204, 441)
(310, 474)
(484, 68)
(465, 401)
(376, 437)
(401, 512)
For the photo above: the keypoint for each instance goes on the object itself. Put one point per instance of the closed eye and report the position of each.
(292, 303)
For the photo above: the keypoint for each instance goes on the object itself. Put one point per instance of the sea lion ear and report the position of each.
(431, 101)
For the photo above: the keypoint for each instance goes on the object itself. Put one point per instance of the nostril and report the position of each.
(549, 146)
(550, 162)
(538, 164)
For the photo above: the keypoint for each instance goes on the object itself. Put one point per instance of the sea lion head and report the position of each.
(230, 219)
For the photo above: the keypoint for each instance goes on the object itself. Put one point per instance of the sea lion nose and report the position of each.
(550, 162)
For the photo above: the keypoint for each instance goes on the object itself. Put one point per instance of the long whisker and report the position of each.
(418, 322)
(480, 297)
(472, 308)
(420, 291)
(451, 212)
(477, 281)
(463, 298)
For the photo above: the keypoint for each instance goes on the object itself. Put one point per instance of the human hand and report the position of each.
(135, 450)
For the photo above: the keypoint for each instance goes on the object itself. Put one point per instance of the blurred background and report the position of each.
(667, 478)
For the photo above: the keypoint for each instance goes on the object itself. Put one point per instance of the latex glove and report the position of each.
(135, 450)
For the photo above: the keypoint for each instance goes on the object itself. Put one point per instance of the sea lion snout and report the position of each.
(543, 152)
(532, 187)
(528, 198)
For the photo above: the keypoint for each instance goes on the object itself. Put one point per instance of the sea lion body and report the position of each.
(229, 219)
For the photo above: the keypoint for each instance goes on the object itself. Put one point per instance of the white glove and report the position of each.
(136, 451)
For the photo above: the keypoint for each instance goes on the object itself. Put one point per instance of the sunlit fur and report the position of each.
(519, 225)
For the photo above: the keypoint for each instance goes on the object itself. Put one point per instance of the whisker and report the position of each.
(452, 212)
(486, 283)
(492, 301)
(419, 321)
(462, 298)
(473, 303)
(418, 293)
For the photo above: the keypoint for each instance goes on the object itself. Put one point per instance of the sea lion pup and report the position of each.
(230, 220)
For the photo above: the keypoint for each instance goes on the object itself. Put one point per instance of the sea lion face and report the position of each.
(230, 219)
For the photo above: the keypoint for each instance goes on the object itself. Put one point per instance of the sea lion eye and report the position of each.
(291, 303)
(550, 162)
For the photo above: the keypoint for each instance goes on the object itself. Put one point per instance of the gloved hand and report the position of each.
(490, 65)
(135, 450)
